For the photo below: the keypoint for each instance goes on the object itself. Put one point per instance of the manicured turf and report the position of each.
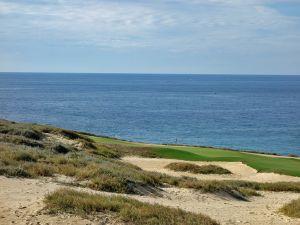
(258, 162)
(262, 163)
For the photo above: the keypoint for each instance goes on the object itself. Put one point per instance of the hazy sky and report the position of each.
(151, 36)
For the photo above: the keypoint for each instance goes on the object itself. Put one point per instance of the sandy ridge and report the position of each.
(21, 202)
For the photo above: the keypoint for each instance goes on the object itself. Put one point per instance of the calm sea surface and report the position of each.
(242, 112)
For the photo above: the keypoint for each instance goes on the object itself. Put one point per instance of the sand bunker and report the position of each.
(239, 170)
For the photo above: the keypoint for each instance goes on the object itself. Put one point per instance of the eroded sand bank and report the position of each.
(21, 202)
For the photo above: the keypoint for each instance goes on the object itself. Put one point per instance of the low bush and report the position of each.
(20, 140)
(192, 168)
(109, 183)
(61, 149)
(292, 209)
(40, 170)
(10, 171)
(25, 156)
(19, 131)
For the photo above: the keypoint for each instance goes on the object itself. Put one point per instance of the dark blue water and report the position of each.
(240, 112)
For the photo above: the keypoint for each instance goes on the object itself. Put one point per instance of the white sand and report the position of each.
(21, 201)
(239, 170)
(258, 211)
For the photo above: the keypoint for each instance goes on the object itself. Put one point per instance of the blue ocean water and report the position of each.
(242, 112)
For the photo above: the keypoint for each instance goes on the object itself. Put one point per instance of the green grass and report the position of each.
(262, 163)
(127, 210)
(192, 168)
(292, 209)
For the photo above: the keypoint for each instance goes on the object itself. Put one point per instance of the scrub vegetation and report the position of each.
(30, 151)
(127, 210)
(192, 168)
(292, 209)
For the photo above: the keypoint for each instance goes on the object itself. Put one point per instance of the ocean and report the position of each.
(245, 112)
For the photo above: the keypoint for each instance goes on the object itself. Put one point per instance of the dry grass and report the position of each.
(17, 130)
(292, 209)
(127, 210)
(96, 165)
(192, 168)
(106, 174)
(130, 150)
(98, 172)
(40, 170)
(237, 189)
(20, 140)
(247, 192)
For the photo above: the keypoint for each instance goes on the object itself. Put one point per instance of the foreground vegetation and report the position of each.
(127, 210)
(29, 150)
(192, 168)
(292, 209)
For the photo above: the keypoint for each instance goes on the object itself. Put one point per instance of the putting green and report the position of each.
(260, 162)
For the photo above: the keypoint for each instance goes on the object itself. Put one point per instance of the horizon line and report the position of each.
(143, 73)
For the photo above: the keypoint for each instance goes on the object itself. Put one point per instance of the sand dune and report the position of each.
(21, 202)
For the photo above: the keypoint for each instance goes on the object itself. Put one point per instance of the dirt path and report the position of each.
(239, 170)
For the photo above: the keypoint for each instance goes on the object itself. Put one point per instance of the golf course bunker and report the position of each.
(239, 171)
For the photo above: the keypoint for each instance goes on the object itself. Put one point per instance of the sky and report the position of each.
(150, 36)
